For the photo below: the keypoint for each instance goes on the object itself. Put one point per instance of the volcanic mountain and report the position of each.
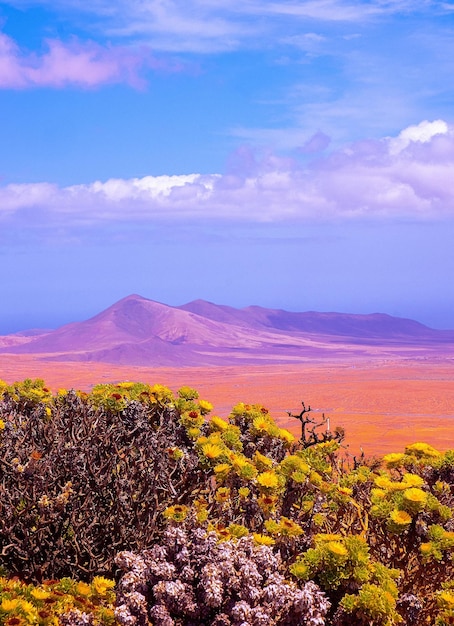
(138, 331)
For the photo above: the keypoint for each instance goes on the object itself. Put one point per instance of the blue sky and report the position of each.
(292, 154)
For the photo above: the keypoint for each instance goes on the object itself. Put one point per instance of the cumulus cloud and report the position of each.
(421, 133)
(86, 64)
(366, 180)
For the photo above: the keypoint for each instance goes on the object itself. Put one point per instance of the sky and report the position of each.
(293, 154)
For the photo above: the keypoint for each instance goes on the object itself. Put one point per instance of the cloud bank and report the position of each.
(403, 177)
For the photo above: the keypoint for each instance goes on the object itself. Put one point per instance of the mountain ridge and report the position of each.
(139, 331)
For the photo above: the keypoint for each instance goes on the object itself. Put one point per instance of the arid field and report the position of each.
(382, 404)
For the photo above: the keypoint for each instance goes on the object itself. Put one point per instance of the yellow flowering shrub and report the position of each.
(335, 562)
(369, 533)
(445, 604)
(23, 604)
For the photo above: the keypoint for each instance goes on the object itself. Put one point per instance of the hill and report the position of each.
(139, 331)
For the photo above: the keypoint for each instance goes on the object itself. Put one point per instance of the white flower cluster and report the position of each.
(192, 578)
(76, 618)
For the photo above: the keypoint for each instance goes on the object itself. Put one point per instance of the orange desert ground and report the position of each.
(383, 404)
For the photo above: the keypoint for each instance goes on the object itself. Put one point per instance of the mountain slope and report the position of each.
(343, 325)
(139, 331)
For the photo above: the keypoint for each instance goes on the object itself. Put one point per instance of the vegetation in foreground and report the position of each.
(131, 505)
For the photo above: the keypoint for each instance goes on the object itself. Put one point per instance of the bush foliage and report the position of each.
(200, 520)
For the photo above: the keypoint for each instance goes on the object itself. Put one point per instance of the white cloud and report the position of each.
(422, 133)
(117, 189)
(366, 180)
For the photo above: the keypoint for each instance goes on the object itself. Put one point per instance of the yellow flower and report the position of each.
(422, 449)
(40, 594)
(126, 385)
(272, 526)
(299, 569)
(394, 459)
(286, 435)
(160, 392)
(101, 585)
(212, 450)
(440, 486)
(28, 608)
(383, 482)
(244, 469)
(238, 461)
(326, 487)
(238, 530)
(267, 502)
(289, 528)
(217, 423)
(412, 480)
(83, 589)
(293, 463)
(2, 424)
(445, 600)
(202, 515)
(261, 423)
(175, 454)
(8, 605)
(426, 548)
(222, 469)
(394, 486)
(318, 519)
(336, 548)
(177, 512)
(378, 494)
(415, 499)
(263, 540)
(262, 462)
(401, 518)
(345, 491)
(205, 407)
(222, 494)
(244, 492)
(268, 480)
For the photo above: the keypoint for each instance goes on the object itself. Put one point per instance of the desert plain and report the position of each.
(383, 403)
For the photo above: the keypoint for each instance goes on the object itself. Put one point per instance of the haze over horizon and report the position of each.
(291, 155)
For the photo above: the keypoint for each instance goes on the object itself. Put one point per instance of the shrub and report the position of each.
(136, 470)
(192, 578)
(85, 476)
(65, 602)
